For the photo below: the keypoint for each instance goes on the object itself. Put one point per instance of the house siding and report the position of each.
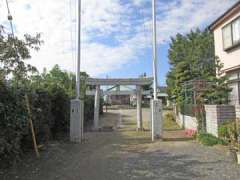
(228, 58)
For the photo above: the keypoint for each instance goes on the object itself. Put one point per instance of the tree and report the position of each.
(192, 57)
(217, 92)
(12, 53)
(14, 72)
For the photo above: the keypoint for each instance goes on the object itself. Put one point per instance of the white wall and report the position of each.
(217, 114)
(237, 111)
(230, 58)
(187, 121)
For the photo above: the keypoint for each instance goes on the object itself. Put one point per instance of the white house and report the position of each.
(226, 31)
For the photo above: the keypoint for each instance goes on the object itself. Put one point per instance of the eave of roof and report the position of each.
(228, 13)
(235, 68)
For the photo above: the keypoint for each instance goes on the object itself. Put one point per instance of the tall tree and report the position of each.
(14, 51)
(192, 57)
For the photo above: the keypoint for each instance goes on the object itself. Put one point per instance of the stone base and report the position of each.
(76, 120)
(157, 119)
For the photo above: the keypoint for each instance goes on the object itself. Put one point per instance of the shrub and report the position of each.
(88, 110)
(209, 139)
(50, 108)
(13, 118)
(60, 110)
(169, 116)
(228, 130)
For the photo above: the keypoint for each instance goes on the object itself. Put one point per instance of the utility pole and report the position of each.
(78, 50)
(154, 38)
(156, 105)
(77, 105)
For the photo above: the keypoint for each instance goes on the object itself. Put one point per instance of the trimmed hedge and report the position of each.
(50, 114)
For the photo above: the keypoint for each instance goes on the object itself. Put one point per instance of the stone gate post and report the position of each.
(96, 108)
(139, 108)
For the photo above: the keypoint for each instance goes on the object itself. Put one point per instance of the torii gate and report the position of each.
(138, 82)
(76, 116)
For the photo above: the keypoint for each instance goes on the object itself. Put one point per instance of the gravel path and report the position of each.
(125, 154)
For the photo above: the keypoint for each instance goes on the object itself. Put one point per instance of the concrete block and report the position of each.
(76, 120)
(217, 114)
(157, 119)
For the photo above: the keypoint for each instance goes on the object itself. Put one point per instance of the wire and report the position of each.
(71, 33)
(141, 12)
(10, 18)
(72, 47)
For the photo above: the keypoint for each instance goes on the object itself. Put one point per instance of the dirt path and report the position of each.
(125, 154)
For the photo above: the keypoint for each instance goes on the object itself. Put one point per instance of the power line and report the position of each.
(71, 39)
(10, 18)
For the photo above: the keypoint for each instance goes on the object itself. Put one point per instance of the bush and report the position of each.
(228, 130)
(169, 116)
(60, 110)
(49, 101)
(13, 118)
(88, 110)
(209, 139)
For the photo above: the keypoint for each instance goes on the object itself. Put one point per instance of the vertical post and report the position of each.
(96, 107)
(31, 126)
(154, 33)
(78, 50)
(77, 105)
(139, 108)
(156, 105)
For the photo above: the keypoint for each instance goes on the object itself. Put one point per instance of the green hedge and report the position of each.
(50, 113)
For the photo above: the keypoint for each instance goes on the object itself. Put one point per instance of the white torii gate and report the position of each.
(138, 82)
(76, 126)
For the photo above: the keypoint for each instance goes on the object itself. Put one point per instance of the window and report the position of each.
(231, 34)
(236, 31)
(227, 36)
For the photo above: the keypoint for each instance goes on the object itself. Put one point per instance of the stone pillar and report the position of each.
(217, 114)
(96, 108)
(157, 119)
(76, 120)
(168, 103)
(139, 108)
(237, 111)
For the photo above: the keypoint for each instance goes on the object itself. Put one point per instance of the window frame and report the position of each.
(233, 44)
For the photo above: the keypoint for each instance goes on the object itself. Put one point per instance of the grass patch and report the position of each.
(169, 122)
(209, 140)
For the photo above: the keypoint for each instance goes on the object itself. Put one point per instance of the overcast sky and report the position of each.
(116, 34)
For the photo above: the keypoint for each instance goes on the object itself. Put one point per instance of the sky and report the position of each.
(116, 34)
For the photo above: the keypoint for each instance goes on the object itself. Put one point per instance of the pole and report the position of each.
(78, 50)
(155, 84)
(31, 126)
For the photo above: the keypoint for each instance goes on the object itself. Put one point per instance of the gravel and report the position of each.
(125, 154)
